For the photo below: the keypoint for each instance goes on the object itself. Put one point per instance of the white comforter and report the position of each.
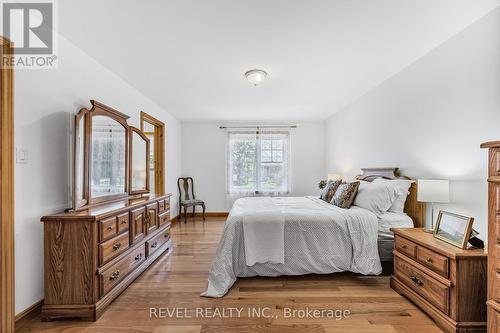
(263, 231)
(318, 238)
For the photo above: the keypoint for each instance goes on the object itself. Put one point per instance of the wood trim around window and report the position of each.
(7, 314)
(159, 139)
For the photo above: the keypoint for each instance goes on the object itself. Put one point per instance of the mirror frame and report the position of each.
(133, 130)
(83, 114)
(99, 109)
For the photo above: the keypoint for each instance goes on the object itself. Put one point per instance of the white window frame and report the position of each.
(259, 136)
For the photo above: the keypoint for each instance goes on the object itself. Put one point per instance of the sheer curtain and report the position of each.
(257, 163)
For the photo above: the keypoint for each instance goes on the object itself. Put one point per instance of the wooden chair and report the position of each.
(185, 199)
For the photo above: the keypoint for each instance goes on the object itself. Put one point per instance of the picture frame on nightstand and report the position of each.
(454, 229)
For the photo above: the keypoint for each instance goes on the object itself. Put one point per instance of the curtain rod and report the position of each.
(267, 126)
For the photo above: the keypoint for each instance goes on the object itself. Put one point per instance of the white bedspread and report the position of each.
(263, 231)
(318, 238)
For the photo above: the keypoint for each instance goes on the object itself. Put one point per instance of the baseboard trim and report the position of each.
(198, 214)
(24, 316)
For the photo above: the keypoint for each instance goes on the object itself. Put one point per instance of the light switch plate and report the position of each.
(21, 156)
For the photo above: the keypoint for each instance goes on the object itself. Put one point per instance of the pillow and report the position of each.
(402, 187)
(325, 190)
(345, 194)
(376, 197)
(329, 190)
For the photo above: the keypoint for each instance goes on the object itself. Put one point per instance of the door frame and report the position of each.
(159, 144)
(7, 312)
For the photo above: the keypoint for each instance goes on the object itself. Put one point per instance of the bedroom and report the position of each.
(339, 86)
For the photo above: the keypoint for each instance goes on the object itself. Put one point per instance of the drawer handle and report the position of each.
(123, 222)
(155, 244)
(403, 247)
(429, 260)
(110, 227)
(138, 257)
(417, 281)
(166, 235)
(117, 246)
(114, 275)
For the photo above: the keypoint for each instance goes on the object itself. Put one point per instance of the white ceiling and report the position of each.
(189, 56)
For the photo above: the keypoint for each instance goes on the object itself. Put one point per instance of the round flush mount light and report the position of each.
(256, 76)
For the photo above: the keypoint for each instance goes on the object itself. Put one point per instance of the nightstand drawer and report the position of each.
(405, 246)
(433, 291)
(432, 260)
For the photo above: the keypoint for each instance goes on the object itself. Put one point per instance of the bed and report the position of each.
(304, 235)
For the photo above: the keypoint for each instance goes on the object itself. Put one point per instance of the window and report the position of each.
(258, 162)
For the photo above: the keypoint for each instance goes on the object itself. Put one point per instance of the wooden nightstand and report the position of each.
(447, 283)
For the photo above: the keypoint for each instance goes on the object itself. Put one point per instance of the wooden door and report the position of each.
(6, 191)
(138, 218)
(154, 129)
(152, 217)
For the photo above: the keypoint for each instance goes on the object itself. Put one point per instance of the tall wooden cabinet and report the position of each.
(493, 235)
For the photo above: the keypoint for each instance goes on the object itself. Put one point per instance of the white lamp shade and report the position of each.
(433, 190)
(334, 176)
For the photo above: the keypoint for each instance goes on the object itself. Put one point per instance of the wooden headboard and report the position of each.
(413, 208)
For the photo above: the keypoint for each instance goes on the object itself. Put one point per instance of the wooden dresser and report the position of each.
(493, 235)
(92, 255)
(446, 282)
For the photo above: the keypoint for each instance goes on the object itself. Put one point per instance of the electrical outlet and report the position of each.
(21, 156)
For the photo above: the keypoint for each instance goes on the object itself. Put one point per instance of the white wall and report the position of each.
(204, 159)
(430, 119)
(45, 102)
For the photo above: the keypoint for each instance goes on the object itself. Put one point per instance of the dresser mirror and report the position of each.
(139, 162)
(110, 157)
(107, 159)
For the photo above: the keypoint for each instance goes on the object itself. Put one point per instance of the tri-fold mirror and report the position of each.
(111, 158)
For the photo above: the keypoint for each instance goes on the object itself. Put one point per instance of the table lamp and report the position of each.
(334, 176)
(433, 191)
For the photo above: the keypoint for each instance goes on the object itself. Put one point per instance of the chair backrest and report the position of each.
(185, 185)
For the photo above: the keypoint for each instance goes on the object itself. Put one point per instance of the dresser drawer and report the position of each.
(123, 222)
(164, 217)
(167, 204)
(497, 199)
(156, 242)
(112, 226)
(161, 206)
(116, 272)
(433, 291)
(406, 247)
(432, 260)
(107, 228)
(113, 247)
(496, 162)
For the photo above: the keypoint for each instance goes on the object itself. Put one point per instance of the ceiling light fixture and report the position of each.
(256, 76)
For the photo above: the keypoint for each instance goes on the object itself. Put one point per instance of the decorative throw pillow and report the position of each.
(329, 190)
(333, 188)
(325, 190)
(345, 194)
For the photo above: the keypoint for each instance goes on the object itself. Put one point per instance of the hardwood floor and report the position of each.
(176, 280)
